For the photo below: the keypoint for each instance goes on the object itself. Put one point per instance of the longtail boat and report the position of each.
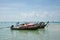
(29, 26)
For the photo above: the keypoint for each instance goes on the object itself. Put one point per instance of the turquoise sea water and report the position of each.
(51, 32)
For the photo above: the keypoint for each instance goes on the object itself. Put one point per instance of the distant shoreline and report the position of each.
(23, 21)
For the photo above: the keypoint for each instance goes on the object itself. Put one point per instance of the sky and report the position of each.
(30, 10)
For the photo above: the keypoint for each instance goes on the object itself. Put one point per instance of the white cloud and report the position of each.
(31, 16)
(22, 12)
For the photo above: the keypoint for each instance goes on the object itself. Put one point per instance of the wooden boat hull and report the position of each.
(25, 28)
(43, 26)
(29, 28)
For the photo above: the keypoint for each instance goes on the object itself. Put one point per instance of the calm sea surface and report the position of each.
(51, 32)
